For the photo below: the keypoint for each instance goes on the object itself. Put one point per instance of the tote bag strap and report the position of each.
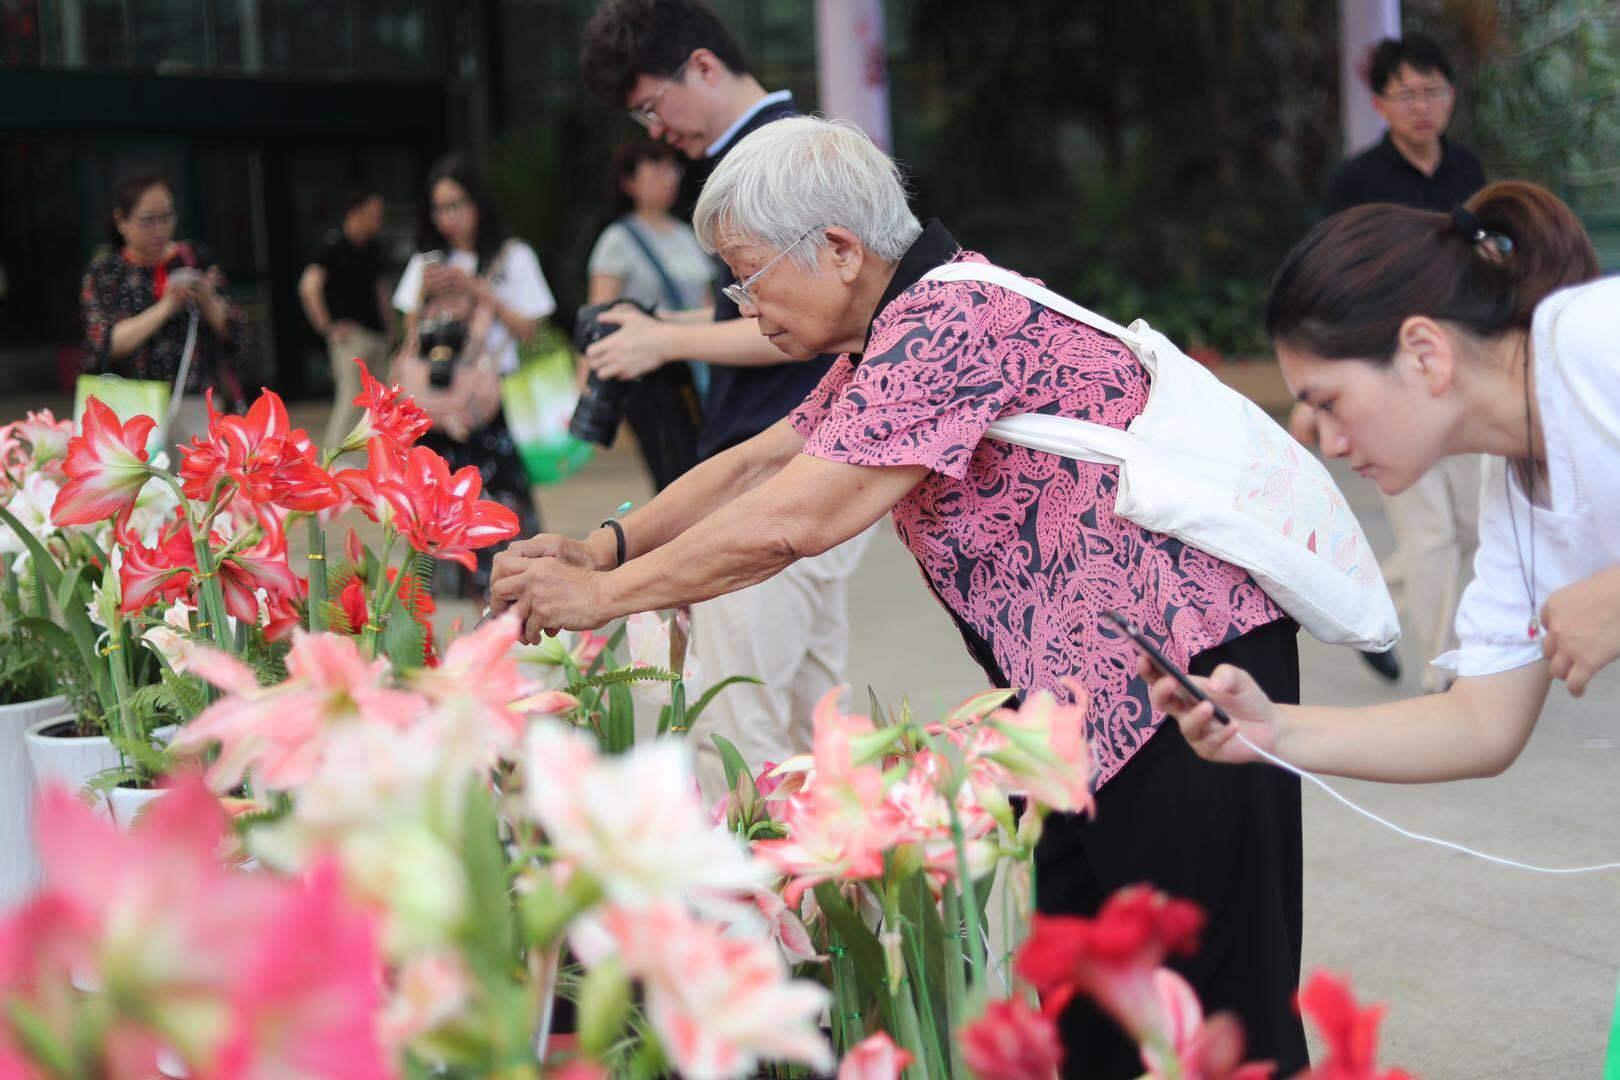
(1000, 275)
(1060, 435)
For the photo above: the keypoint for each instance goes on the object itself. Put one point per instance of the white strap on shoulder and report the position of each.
(1000, 275)
(1065, 436)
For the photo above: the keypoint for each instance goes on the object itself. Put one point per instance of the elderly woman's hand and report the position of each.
(548, 595)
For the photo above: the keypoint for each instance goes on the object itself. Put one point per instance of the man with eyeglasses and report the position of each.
(679, 73)
(1436, 520)
(1414, 164)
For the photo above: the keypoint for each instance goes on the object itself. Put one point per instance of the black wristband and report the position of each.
(618, 541)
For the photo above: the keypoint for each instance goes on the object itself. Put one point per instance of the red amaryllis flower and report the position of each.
(385, 466)
(1111, 958)
(389, 412)
(162, 571)
(106, 468)
(441, 514)
(1012, 1041)
(1350, 1031)
(1189, 1046)
(263, 566)
(416, 598)
(271, 463)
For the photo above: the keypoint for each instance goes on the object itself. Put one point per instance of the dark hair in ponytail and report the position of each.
(1344, 291)
(126, 193)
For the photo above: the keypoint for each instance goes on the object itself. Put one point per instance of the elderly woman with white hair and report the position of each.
(1021, 547)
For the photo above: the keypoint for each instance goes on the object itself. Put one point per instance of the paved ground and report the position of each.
(1488, 972)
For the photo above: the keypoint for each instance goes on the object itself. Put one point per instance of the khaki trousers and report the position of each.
(1436, 523)
(369, 346)
(792, 631)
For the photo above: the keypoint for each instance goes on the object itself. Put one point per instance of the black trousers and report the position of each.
(1224, 836)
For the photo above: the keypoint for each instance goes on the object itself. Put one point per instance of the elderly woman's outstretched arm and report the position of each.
(694, 496)
(808, 507)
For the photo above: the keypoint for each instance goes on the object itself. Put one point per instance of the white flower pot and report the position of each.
(126, 803)
(19, 867)
(67, 760)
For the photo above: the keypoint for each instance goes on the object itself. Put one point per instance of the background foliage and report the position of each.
(1148, 159)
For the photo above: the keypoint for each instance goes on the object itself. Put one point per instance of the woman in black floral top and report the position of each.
(136, 299)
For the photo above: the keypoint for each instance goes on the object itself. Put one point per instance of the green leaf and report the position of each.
(604, 1003)
(709, 695)
(620, 677)
(491, 941)
(865, 953)
(619, 732)
(69, 585)
(38, 1041)
(735, 764)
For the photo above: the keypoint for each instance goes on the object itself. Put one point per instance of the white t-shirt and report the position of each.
(1577, 523)
(517, 281)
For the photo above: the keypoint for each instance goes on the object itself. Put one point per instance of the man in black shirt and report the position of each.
(1414, 164)
(1436, 520)
(346, 300)
(673, 65)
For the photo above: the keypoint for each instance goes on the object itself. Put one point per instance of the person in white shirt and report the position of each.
(473, 274)
(1416, 335)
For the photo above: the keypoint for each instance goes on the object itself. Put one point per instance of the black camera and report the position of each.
(601, 404)
(439, 339)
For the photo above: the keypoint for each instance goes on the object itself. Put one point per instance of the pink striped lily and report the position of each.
(106, 468)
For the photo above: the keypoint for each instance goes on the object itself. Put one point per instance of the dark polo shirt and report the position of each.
(1382, 174)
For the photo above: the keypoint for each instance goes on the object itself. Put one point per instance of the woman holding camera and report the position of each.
(1416, 335)
(470, 295)
(137, 298)
(649, 256)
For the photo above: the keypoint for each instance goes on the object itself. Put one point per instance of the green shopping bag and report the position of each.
(127, 398)
(538, 400)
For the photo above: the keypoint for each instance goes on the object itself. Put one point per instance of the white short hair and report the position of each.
(800, 174)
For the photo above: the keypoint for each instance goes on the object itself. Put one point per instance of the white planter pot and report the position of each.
(19, 867)
(126, 803)
(70, 761)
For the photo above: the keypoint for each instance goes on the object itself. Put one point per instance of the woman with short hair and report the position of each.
(1416, 335)
(137, 298)
(1021, 547)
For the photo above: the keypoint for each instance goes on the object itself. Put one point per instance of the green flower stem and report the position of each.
(955, 975)
(970, 901)
(116, 661)
(210, 598)
(847, 1018)
(935, 1062)
(317, 576)
(905, 1009)
(368, 635)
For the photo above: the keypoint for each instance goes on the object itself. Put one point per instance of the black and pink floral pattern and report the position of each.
(1022, 546)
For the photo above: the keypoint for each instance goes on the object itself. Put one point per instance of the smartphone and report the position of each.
(185, 275)
(1162, 662)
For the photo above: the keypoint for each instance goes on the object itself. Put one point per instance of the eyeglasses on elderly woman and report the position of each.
(741, 293)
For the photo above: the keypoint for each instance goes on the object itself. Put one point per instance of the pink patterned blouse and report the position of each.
(1022, 547)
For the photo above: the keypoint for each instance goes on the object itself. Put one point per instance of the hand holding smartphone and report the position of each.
(1155, 654)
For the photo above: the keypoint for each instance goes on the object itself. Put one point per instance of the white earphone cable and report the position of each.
(1420, 837)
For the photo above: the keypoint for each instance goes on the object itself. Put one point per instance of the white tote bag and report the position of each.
(1204, 464)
